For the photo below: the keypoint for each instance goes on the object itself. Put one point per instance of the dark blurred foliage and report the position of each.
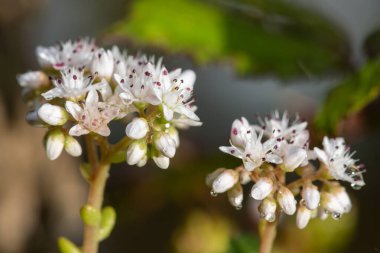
(172, 210)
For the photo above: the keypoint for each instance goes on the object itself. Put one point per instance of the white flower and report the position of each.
(102, 64)
(267, 209)
(286, 200)
(93, 117)
(72, 85)
(255, 152)
(161, 161)
(53, 114)
(112, 98)
(136, 152)
(67, 54)
(225, 181)
(262, 188)
(303, 217)
(311, 196)
(72, 146)
(182, 122)
(294, 157)
(165, 144)
(120, 61)
(137, 128)
(338, 160)
(55, 142)
(241, 132)
(235, 196)
(33, 79)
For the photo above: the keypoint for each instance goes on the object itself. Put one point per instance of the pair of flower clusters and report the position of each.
(82, 87)
(273, 149)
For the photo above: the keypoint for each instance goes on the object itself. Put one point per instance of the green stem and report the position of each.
(267, 236)
(95, 196)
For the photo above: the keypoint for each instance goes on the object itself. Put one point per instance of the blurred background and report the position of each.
(319, 58)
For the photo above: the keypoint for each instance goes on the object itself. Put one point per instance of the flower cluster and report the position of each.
(81, 88)
(276, 147)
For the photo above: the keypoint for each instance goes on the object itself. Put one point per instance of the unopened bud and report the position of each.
(244, 177)
(137, 128)
(136, 152)
(235, 196)
(161, 161)
(331, 203)
(174, 135)
(286, 200)
(165, 144)
(225, 181)
(53, 115)
(72, 146)
(267, 209)
(55, 142)
(262, 188)
(33, 79)
(303, 216)
(342, 197)
(142, 162)
(311, 196)
(211, 177)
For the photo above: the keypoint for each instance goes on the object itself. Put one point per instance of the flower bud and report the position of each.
(235, 196)
(136, 152)
(267, 209)
(303, 217)
(331, 203)
(342, 197)
(54, 143)
(286, 200)
(211, 177)
(53, 115)
(294, 157)
(33, 119)
(72, 146)
(262, 188)
(33, 79)
(323, 214)
(161, 161)
(165, 144)
(66, 246)
(225, 181)
(311, 196)
(173, 133)
(142, 162)
(244, 177)
(102, 64)
(137, 128)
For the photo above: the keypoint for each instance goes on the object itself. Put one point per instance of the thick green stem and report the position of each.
(95, 196)
(267, 236)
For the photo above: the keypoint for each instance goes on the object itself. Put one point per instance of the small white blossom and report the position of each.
(342, 197)
(102, 64)
(53, 114)
(311, 196)
(67, 54)
(293, 158)
(286, 200)
(161, 161)
(55, 142)
(93, 117)
(72, 146)
(338, 160)
(137, 128)
(165, 144)
(262, 188)
(267, 209)
(72, 85)
(241, 132)
(303, 217)
(136, 152)
(225, 181)
(33, 79)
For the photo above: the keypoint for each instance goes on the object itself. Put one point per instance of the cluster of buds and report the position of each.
(272, 149)
(81, 88)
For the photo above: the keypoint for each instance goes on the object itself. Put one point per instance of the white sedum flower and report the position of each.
(92, 117)
(338, 160)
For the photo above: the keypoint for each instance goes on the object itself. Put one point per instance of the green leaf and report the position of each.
(349, 97)
(90, 215)
(107, 223)
(244, 243)
(66, 246)
(258, 36)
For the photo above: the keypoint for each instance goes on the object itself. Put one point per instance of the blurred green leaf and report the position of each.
(352, 95)
(258, 36)
(244, 243)
(372, 45)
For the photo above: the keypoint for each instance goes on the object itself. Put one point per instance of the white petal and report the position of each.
(103, 130)
(78, 130)
(92, 98)
(294, 157)
(162, 161)
(165, 144)
(54, 144)
(303, 217)
(273, 158)
(168, 113)
(311, 196)
(72, 146)
(286, 200)
(53, 93)
(187, 112)
(74, 109)
(136, 152)
(231, 151)
(322, 156)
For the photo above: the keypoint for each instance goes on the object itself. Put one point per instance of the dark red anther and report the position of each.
(234, 131)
